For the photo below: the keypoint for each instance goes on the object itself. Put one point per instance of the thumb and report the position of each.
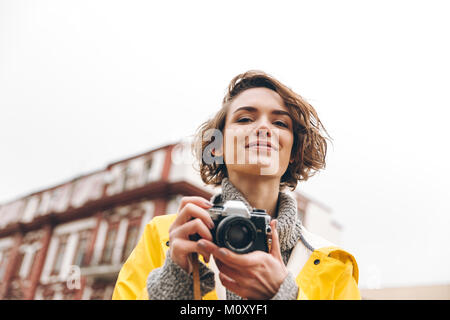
(275, 250)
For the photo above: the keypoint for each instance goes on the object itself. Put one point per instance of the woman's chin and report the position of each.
(259, 167)
(263, 160)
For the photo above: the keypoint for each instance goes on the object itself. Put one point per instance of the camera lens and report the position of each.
(237, 234)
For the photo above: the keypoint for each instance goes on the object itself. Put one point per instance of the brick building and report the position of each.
(70, 241)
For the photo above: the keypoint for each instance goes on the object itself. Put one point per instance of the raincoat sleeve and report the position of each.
(148, 254)
(347, 288)
(329, 274)
(346, 285)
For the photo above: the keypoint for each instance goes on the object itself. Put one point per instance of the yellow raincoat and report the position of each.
(326, 273)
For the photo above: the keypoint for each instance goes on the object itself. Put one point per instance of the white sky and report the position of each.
(86, 83)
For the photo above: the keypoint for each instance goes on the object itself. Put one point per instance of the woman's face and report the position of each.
(258, 134)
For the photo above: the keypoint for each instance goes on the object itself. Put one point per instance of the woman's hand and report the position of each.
(256, 275)
(192, 219)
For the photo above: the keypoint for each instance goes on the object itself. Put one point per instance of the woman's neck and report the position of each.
(261, 192)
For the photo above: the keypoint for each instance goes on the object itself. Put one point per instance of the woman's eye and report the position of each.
(281, 123)
(244, 120)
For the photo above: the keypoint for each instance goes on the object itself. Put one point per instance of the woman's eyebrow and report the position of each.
(253, 109)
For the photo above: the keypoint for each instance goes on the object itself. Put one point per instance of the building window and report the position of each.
(29, 255)
(148, 164)
(18, 265)
(131, 239)
(128, 180)
(59, 255)
(148, 169)
(109, 246)
(81, 252)
(3, 263)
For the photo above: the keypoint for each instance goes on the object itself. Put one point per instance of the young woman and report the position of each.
(266, 139)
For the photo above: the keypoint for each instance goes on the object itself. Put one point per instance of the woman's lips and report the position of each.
(262, 145)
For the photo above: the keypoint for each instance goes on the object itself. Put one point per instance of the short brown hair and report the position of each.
(310, 143)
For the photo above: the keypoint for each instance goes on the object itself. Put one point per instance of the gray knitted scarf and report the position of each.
(288, 226)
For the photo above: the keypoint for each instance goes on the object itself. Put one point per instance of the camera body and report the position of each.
(238, 229)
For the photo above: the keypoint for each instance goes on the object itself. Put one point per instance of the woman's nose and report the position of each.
(263, 129)
(263, 132)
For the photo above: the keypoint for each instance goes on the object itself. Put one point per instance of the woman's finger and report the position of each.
(180, 250)
(190, 211)
(230, 284)
(196, 226)
(199, 201)
(230, 272)
(207, 247)
(275, 250)
(235, 259)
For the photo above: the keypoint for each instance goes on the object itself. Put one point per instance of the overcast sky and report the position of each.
(86, 83)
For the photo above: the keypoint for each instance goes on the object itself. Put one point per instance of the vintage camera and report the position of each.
(238, 229)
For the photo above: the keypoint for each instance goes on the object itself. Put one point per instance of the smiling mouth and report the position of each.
(261, 145)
